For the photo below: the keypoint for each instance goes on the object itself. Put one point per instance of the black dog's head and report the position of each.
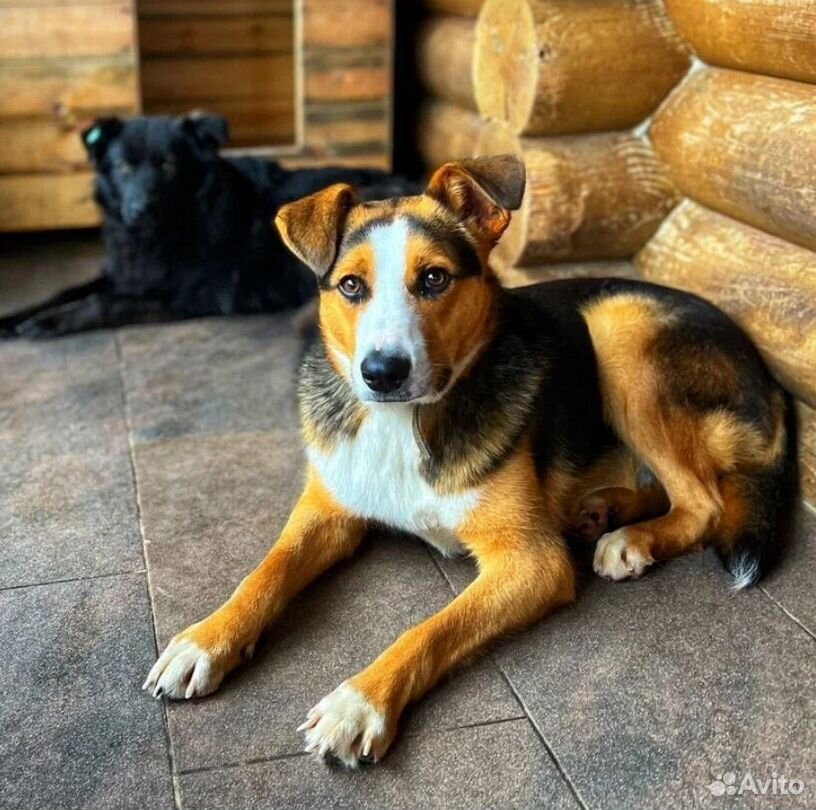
(148, 169)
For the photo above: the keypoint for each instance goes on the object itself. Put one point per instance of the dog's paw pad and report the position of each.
(345, 726)
(184, 670)
(616, 557)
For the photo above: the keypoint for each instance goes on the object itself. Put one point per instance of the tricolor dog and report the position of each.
(496, 422)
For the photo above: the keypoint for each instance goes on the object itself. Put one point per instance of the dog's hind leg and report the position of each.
(319, 533)
(608, 508)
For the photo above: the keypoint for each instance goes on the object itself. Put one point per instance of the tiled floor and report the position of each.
(144, 472)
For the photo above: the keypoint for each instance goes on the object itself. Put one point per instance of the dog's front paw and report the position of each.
(194, 663)
(617, 557)
(346, 726)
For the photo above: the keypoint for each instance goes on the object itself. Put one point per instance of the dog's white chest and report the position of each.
(376, 476)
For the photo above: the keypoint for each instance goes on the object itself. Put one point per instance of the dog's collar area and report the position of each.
(419, 438)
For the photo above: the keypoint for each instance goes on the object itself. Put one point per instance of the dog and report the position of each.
(496, 422)
(188, 233)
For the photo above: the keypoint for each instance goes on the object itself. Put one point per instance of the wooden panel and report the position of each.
(766, 284)
(564, 66)
(87, 86)
(595, 196)
(219, 8)
(777, 38)
(215, 35)
(39, 146)
(337, 23)
(195, 78)
(34, 202)
(807, 455)
(374, 160)
(445, 59)
(744, 145)
(65, 31)
(347, 83)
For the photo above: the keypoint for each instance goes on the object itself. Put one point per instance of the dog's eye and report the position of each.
(123, 167)
(352, 287)
(168, 168)
(434, 281)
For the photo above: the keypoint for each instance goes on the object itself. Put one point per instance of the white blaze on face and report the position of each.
(390, 323)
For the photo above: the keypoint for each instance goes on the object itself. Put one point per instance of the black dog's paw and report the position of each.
(41, 326)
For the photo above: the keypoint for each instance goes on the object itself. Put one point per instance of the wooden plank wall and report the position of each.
(231, 57)
(60, 64)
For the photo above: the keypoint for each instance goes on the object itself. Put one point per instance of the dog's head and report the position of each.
(406, 295)
(148, 167)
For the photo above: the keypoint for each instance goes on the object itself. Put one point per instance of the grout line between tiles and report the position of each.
(171, 757)
(790, 615)
(527, 715)
(71, 579)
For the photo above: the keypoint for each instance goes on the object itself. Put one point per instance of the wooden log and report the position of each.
(247, 34)
(40, 201)
(447, 132)
(766, 284)
(213, 8)
(776, 38)
(87, 86)
(78, 30)
(445, 59)
(522, 276)
(564, 66)
(466, 8)
(744, 145)
(598, 196)
(807, 452)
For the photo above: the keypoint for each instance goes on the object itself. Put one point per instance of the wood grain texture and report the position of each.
(466, 8)
(36, 202)
(566, 66)
(445, 59)
(807, 451)
(776, 38)
(77, 30)
(214, 8)
(63, 87)
(338, 23)
(766, 284)
(247, 34)
(596, 196)
(522, 276)
(31, 146)
(744, 145)
(447, 132)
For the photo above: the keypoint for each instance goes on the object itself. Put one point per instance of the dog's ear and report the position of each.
(208, 132)
(98, 136)
(313, 226)
(481, 192)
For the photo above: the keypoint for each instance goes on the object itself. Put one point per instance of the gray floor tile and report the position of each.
(791, 585)
(646, 691)
(67, 501)
(211, 375)
(494, 767)
(211, 506)
(75, 732)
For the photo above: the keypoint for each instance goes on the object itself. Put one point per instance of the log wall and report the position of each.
(680, 132)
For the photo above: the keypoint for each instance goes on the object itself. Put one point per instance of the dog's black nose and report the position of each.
(385, 373)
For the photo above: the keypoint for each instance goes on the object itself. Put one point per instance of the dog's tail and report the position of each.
(767, 500)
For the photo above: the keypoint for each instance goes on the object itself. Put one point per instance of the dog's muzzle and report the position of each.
(385, 373)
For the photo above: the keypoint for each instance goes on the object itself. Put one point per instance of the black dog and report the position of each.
(187, 232)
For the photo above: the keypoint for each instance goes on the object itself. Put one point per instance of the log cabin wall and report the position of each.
(673, 139)
(230, 57)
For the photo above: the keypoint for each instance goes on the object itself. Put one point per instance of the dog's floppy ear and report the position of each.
(208, 132)
(313, 226)
(481, 192)
(97, 136)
